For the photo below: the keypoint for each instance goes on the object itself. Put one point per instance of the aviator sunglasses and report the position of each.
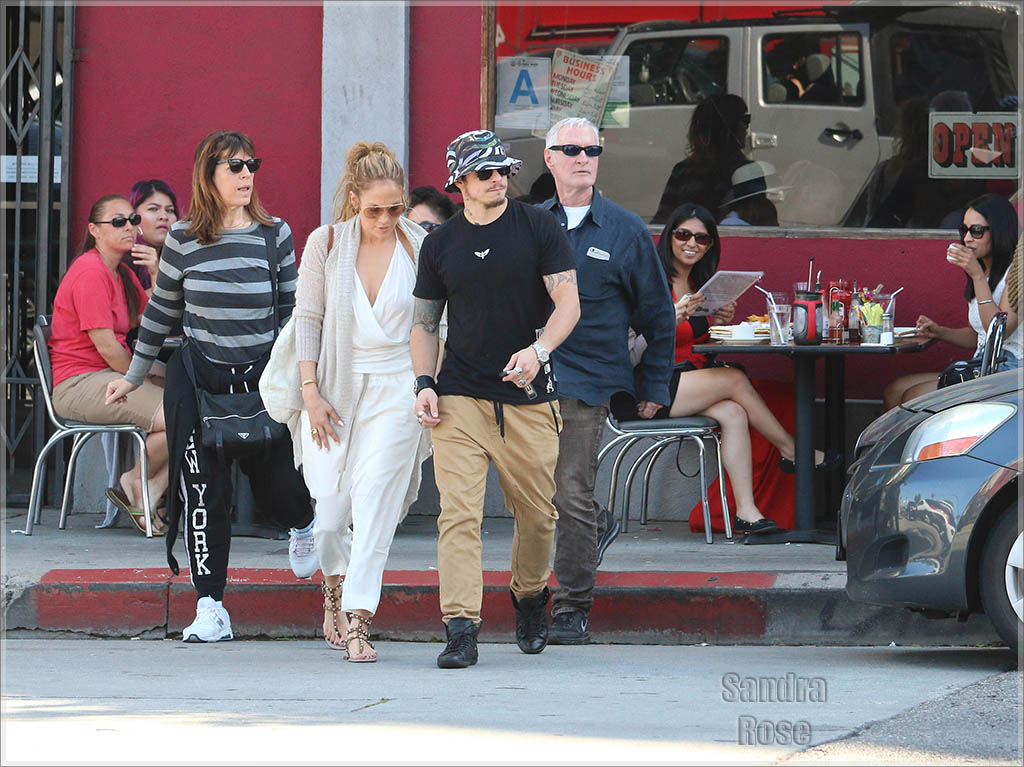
(483, 175)
(977, 230)
(235, 164)
(374, 211)
(571, 150)
(701, 238)
(119, 221)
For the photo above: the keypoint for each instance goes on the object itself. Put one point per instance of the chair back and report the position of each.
(993, 345)
(41, 333)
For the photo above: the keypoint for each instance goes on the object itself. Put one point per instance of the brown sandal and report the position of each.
(332, 604)
(360, 632)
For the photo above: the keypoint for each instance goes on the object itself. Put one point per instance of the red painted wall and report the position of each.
(152, 81)
(444, 85)
(931, 286)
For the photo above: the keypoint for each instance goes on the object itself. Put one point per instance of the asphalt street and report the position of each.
(110, 701)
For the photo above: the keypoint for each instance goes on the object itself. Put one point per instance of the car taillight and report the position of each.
(955, 431)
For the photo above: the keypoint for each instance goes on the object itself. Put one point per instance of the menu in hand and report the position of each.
(723, 288)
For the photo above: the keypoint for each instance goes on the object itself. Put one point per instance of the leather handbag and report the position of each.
(236, 424)
(964, 370)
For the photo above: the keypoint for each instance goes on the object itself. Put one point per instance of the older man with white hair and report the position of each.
(621, 283)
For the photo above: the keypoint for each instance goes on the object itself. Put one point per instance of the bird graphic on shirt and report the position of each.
(481, 253)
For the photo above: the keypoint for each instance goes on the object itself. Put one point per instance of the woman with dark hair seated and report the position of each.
(690, 250)
(988, 236)
(98, 302)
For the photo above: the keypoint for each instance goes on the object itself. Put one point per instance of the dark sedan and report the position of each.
(930, 515)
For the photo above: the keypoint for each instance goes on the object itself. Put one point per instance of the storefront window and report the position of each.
(831, 118)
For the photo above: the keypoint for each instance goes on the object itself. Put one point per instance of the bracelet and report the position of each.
(424, 382)
(986, 301)
(307, 381)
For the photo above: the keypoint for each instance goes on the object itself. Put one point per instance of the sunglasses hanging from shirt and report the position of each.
(235, 164)
(571, 150)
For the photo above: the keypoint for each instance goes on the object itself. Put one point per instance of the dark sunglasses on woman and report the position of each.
(483, 175)
(235, 164)
(571, 150)
(977, 230)
(118, 222)
(701, 238)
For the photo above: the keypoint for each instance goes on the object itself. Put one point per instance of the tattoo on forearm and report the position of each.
(552, 281)
(427, 314)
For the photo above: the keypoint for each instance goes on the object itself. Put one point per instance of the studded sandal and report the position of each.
(332, 604)
(359, 631)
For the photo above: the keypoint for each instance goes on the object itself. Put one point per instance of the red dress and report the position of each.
(774, 491)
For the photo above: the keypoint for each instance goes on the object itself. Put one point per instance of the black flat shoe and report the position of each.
(761, 526)
(830, 461)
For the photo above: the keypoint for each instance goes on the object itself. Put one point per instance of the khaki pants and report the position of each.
(465, 442)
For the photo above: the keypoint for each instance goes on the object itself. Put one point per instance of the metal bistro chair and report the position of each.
(664, 432)
(80, 430)
(991, 355)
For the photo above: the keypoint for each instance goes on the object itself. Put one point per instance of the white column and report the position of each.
(364, 85)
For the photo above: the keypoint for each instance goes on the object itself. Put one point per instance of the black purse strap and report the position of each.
(268, 238)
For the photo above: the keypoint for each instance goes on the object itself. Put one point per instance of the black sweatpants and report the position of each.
(204, 486)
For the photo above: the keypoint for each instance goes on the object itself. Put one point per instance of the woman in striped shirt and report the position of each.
(215, 278)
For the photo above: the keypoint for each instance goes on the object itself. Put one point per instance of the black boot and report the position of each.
(531, 622)
(460, 651)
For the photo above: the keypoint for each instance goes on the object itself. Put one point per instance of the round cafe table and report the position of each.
(804, 371)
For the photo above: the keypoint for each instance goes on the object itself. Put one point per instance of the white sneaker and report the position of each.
(212, 623)
(302, 555)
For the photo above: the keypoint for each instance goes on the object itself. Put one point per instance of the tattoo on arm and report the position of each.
(427, 314)
(552, 281)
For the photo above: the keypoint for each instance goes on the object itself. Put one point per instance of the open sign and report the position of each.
(969, 145)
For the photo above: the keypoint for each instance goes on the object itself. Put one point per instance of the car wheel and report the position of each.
(1002, 577)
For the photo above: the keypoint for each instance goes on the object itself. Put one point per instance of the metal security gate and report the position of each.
(36, 84)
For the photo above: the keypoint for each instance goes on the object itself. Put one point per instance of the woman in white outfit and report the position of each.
(361, 453)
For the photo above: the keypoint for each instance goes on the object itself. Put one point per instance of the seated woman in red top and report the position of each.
(690, 250)
(98, 301)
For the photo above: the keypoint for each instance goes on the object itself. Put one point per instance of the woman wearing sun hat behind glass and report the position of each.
(215, 276)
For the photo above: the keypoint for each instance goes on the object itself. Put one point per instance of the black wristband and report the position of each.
(425, 382)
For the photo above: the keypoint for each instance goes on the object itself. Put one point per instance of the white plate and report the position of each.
(743, 341)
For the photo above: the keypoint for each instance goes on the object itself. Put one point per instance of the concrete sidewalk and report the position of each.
(657, 585)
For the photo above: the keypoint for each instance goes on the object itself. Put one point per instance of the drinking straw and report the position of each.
(810, 268)
(771, 314)
(888, 306)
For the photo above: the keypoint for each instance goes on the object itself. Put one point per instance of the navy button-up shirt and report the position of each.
(621, 284)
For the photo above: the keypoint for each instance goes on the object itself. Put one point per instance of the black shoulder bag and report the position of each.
(237, 425)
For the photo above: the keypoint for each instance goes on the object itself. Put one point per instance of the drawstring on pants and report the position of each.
(499, 418)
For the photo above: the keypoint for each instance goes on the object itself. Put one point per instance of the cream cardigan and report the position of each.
(323, 318)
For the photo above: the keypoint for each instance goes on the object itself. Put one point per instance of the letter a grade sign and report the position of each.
(523, 95)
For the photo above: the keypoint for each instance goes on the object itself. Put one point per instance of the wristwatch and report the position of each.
(423, 382)
(542, 354)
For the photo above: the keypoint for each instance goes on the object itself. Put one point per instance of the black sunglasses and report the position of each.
(429, 226)
(119, 221)
(571, 150)
(483, 175)
(701, 238)
(235, 164)
(977, 230)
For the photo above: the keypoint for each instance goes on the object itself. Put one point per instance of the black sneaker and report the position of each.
(569, 627)
(460, 651)
(611, 531)
(531, 622)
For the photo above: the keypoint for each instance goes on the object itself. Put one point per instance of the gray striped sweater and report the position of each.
(222, 294)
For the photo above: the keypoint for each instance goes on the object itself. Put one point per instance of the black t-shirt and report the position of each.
(492, 279)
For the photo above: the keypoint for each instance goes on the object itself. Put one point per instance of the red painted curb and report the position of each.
(659, 606)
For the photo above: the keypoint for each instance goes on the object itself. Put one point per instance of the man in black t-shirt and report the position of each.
(498, 266)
